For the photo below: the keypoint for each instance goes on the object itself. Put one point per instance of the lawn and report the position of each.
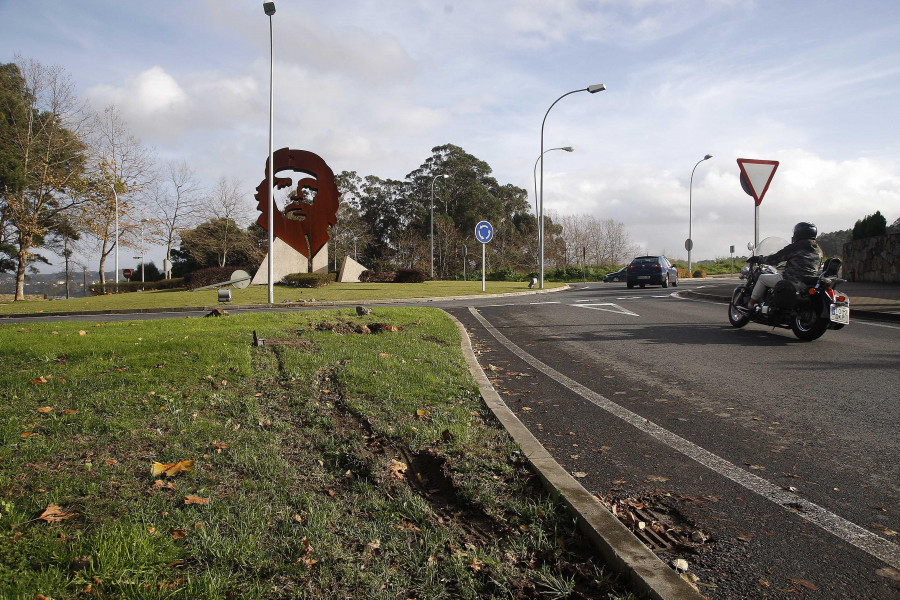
(336, 292)
(345, 457)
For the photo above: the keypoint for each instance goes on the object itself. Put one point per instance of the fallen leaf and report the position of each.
(422, 413)
(580, 474)
(45, 409)
(807, 584)
(195, 500)
(385, 355)
(680, 564)
(764, 583)
(398, 469)
(889, 573)
(219, 446)
(26, 434)
(657, 478)
(165, 485)
(178, 534)
(883, 529)
(70, 412)
(476, 564)
(54, 514)
(39, 380)
(373, 547)
(82, 332)
(171, 469)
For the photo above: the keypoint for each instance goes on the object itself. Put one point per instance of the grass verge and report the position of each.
(327, 463)
(335, 292)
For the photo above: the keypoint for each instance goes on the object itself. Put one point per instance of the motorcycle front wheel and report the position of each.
(736, 317)
(807, 325)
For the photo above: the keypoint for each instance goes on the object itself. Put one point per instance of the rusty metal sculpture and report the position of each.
(304, 223)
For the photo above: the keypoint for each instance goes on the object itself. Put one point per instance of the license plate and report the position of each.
(840, 314)
(644, 277)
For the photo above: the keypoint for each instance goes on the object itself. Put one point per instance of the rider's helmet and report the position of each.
(804, 231)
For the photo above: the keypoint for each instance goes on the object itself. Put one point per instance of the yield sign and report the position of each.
(758, 175)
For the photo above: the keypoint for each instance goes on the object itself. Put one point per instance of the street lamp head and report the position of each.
(598, 87)
(568, 148)
(269, 7)
(446, 176)
(707, 157)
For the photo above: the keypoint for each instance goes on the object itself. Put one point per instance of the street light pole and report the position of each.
(432, 220)
(593, 89)
(142, 251)
(116, 195)
(269, 9)
(690, 241)
(534, 173)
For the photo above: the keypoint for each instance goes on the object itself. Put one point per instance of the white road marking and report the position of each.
(859, 322)
(851, 533)
(548, 302)
(608, 307)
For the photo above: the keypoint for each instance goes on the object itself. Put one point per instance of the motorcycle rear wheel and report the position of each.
(807, 325)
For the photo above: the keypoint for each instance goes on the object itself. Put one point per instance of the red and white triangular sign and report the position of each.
(758, 175)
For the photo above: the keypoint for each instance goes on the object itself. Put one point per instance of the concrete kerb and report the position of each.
(618, 546)
(317, 303)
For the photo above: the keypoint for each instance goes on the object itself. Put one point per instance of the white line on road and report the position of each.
(608, 307)
(547, 302)
(850, 532)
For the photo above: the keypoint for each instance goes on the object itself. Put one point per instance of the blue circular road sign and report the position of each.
(484, 232)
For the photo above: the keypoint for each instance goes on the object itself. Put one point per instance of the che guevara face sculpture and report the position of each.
(313, 206)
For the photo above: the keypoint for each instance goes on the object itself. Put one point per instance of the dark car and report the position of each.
(651, 270)
(616, 275)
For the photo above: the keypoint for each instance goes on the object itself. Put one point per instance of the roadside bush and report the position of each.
(409, 276)
(683, 273)
(700, 273)
(377, 277)
(307, 280)
(505, 274)
(134, 286)
(208, 276)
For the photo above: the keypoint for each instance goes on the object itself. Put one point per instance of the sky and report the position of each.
(373, 86)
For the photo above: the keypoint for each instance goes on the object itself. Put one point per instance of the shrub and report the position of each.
(505, 274)
(208, 276)
(307, 280)
(871, 226)
(134, 286)
(377, 276)
(700, 273)
(683, 273)
(409, 276)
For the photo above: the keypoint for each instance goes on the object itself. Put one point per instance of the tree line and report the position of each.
(72, 176)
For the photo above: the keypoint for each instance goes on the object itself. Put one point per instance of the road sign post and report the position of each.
(484, 233)
(756, 175)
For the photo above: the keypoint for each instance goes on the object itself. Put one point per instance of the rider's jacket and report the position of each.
(804, 258)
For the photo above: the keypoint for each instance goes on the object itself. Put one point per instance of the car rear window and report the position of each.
(645, 260)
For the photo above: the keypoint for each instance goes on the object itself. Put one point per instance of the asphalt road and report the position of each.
(778, 460)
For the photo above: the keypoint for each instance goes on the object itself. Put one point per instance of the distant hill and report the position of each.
(833, 243)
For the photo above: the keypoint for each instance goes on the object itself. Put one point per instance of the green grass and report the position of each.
(336, 292)
(336, 464)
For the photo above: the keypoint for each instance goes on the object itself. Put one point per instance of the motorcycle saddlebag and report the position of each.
(784, 295)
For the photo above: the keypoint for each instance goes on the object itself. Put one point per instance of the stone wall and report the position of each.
(873, 259)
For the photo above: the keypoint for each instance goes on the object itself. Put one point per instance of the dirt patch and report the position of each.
(349, 328)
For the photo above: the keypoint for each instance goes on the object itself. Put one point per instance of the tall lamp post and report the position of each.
(435, 178)
(689, 244)
(593, 89)
(116, 196)
(534, 172)
(269, 8)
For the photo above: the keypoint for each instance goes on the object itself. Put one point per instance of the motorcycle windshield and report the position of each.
(770, 245)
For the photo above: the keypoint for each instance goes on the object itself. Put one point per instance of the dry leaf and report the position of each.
(807, 584)
(171, 469)
(476, 564)
(385, 355)
(178, 534)
(26, 434)
(82, 332)
(195, 500)
(889, 573)
(219, 446)
(165, 485)
(39, 380)
(54, 514)
(764, 583)
(44, 409)
(657, 478)
(883, 529)
(422, 413)
(580, 474)
(373, 547)
(70, 412)
(398, 469)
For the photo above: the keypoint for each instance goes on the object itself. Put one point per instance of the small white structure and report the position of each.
(287, 261)
(350, 271)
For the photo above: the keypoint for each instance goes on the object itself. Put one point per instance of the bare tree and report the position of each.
(121, 170)
(175, 200)
(225, 210)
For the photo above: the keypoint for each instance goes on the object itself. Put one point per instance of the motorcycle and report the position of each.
(808, 308)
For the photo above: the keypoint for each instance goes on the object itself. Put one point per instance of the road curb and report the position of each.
(618, 546)
(282, 305)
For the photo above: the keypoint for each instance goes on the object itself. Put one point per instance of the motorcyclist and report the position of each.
(803, 256)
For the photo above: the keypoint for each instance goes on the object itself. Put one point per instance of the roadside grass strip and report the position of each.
(256, 294)
(345, 457)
